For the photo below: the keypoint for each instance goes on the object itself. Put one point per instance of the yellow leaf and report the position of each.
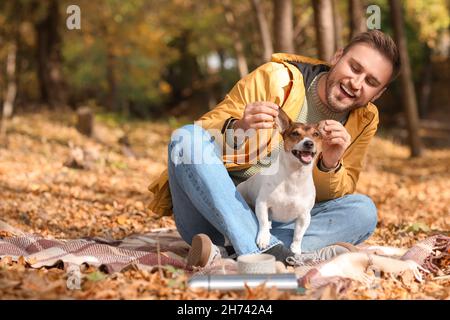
(122, 220)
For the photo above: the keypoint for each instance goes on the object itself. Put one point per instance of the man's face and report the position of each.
(356, 77)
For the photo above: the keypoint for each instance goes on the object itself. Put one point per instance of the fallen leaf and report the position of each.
(122, 220)
(96, 276)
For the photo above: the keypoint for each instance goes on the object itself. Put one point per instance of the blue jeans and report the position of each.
(205, 200)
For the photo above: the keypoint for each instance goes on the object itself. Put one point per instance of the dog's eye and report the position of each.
(316, 134)
(295, 134)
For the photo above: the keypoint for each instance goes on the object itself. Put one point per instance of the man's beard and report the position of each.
(334, 104)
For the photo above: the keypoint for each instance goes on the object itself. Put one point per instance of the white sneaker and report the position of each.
(202, 252)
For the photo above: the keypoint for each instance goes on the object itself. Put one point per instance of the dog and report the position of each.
(289, 194)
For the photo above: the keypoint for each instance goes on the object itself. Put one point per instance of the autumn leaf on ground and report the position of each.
(418, 227)
(96, 276)
(40, 195)
(122, 220)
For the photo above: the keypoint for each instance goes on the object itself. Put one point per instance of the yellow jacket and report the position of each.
(283, 81)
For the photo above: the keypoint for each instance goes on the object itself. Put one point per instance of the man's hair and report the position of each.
(381, 42)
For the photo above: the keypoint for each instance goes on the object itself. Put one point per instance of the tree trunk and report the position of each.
(426, 83)
(283, 26)
(238, 45)
(11, 89)
(263, 30)
(300, 26)
(337, 24)
(111, 99)
(408, 93)
(222, 86)
(49, 59)
(357, 17)
(323, 19)
(85, 121)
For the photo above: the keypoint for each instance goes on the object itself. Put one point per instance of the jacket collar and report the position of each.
(287, 57)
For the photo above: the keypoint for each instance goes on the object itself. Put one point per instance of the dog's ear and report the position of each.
(320, 127)
(282, 122)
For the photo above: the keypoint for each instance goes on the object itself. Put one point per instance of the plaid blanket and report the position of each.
(147, 251)
(166, 247)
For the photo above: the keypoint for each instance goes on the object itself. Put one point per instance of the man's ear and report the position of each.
(282, 122)
(337, 55)
(378, 94)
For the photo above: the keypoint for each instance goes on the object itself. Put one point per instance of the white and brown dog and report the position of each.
(290, 193)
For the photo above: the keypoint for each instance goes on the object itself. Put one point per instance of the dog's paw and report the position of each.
(296, 247)
(263, 239)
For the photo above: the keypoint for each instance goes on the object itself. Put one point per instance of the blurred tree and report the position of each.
(324, 22)
(51, 82)
(184, 71)
(10, 36)
(235, 35)
(9, 40)
(425, 83)
(337, 25)
(430, 17)
(408, 92)
(427, 25)
(357, 17)
(11, 87)
(304, 30)
(264, 30)
(120, 54)
(147, 56)
(283, 26)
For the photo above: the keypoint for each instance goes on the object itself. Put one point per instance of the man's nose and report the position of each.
(308, 144)
(356, 83)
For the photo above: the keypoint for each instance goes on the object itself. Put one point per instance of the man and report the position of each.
(206, 205)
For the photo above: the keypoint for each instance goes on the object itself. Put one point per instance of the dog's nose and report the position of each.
(308, 144)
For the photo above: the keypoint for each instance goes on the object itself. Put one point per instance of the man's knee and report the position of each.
(365, 212)
(192, 144)
(186, 135)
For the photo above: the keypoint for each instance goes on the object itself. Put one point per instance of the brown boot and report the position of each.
(202, 252)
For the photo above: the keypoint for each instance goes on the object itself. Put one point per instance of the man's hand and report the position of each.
(258, 115)
(336, 140)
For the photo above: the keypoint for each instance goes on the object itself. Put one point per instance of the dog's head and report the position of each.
(302, 141)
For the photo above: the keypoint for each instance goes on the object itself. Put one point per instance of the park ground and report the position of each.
(109, 198)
